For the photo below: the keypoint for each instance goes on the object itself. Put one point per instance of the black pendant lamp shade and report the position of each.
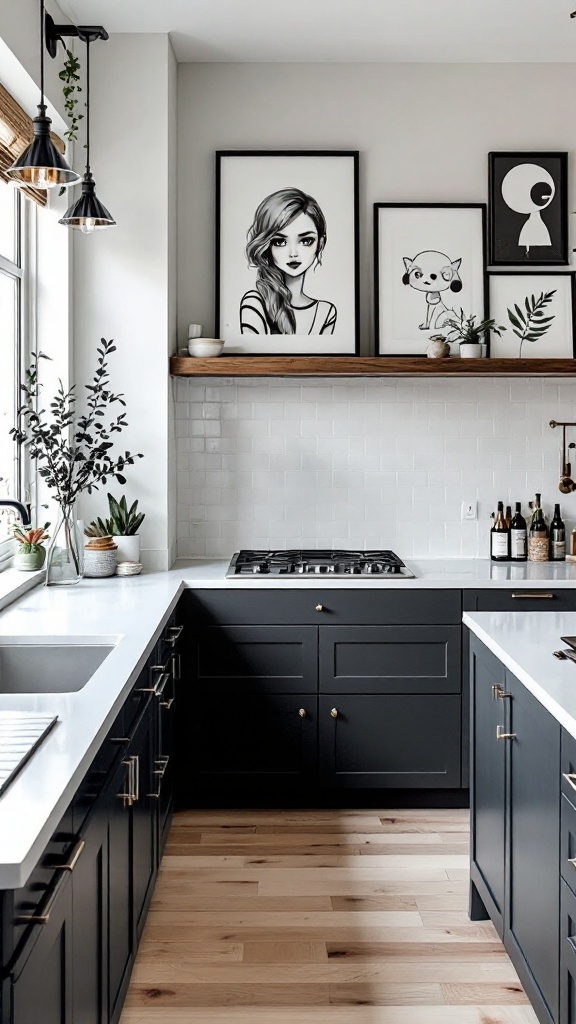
(87, 213)
(41, 165)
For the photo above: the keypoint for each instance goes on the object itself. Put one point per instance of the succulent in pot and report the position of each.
(31, 551)
(122, 525)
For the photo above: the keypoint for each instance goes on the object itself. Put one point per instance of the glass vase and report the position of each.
(65, 557)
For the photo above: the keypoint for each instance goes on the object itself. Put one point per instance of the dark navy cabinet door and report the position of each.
(534, 830)
(254, 659)
(120, 950)
(520, 599)
(247, 742)
(41, 982)
(144, 808)
(90, 921)
(389, 741)
(567, 955)
(390, 659)
(490, 712)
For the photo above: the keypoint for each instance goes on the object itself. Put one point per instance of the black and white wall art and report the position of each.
(528, 208)
(287, 252)
(537, 310)
(429, 264)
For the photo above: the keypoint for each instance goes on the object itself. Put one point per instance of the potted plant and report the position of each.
(31, 551)
(122, 526)
(73, 453)
(469, 334)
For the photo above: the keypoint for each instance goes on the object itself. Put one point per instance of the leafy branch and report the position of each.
(73, 453)
(531, 325)
(70, 76)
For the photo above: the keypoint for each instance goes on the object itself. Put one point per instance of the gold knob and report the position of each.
(334, 712)
(319, 607)
(302, 712)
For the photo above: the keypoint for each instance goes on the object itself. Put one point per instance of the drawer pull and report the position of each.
(503, 694)
(302, 712)
(334, 712)
(499, 692)
(572, 861)
(319, 607)
(74, 856)
(44, 916)
(538, 596)
(570, 778)
(500, 735)
(167, 703)
(175, 631)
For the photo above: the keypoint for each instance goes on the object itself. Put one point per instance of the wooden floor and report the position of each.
(319, 917)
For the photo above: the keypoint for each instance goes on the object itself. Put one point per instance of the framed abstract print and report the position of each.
(537, 310)
(528, 208)
(287, 252)
(429, 261)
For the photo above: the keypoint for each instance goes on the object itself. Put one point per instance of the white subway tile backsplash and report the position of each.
(364, 463)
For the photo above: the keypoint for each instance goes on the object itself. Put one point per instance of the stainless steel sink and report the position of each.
(38, 665)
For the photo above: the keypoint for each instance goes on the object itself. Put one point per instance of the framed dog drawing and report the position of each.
(429, 263)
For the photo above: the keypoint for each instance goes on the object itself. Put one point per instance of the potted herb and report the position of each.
(122, 526)
(31, 551)
(73, 452)
(469, 334)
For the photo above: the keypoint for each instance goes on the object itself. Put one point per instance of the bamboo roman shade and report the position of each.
(16, 132)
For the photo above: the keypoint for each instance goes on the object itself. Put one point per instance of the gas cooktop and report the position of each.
(331, 564)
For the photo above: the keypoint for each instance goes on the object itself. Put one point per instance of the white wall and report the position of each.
(122, 276)
(384, 462)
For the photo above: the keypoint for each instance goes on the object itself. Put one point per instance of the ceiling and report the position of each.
(451, 31)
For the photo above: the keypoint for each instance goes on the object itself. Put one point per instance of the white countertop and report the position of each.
(132, 611)
(524, 642)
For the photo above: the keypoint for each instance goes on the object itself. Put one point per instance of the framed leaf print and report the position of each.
(537, 310)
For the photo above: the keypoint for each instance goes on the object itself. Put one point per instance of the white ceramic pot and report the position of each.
(469, 350)
(128, 548)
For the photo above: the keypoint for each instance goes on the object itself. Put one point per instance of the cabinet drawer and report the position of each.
(95, 779)
(254, 659)
(337, 606)
(520, 599)
(568, 842)
(568, 766)
(390, 659)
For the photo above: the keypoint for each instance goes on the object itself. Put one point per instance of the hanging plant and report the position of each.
(71, 77)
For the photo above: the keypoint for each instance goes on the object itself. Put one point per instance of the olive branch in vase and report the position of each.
(531, 325)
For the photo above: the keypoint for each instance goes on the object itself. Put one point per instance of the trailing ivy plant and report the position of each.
(531, 325)
(73, 453)
(71, 77)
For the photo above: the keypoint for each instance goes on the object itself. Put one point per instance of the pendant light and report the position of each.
(87, 213)
(41, 165)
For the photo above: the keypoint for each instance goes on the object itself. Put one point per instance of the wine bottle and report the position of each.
(508, 515)
(538, 535)
(499, 537)
(518, 536)
(557, 537)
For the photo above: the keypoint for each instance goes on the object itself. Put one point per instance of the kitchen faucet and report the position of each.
(20, 508)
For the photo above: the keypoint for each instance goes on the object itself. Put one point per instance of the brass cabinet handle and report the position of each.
(74, 856)
(538, 596)
(570, 778)
(319, 607)
(502, 694)
(161, 771)
(160, 682)
(175, 631)
(176, 665)
(302, 712)
(572, 861)
(167, 703)
(334, 712)
(127, 796)
(498, 691)
(500, 735)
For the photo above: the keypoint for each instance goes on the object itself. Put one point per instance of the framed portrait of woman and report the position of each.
(287, 252)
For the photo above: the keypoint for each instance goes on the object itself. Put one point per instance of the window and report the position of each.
(13, 304)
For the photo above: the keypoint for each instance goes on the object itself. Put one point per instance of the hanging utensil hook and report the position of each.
(566, 484)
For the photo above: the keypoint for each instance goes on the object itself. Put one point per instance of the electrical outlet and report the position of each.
(469, 510)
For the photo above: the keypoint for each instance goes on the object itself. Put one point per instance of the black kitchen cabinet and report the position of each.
(120, 899)
(488, 769)
(515, 825)
(89, 921)
(567, 955)
(387, 661)
(520, 599)
(389, 741)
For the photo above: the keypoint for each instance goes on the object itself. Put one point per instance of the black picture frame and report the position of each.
(510, 288)
(458, 226)
(244, 319)
(533, 231)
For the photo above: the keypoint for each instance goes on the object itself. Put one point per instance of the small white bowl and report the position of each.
(205, 346)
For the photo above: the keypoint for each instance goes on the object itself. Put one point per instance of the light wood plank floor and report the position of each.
(319, 917)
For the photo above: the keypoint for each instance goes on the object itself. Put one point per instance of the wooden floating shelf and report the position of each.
(367, 366)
